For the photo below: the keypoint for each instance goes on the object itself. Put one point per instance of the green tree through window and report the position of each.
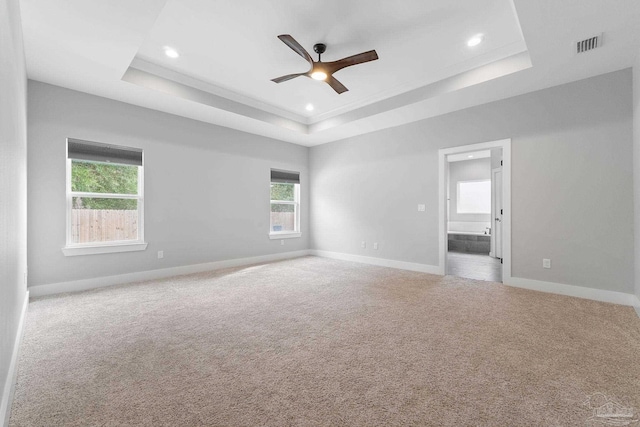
(283, 192)
(104, 178)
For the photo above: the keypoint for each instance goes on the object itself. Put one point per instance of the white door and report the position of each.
(497, 210)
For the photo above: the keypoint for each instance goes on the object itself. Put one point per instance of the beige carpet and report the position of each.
(321, 342)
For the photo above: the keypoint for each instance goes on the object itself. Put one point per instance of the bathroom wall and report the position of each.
(467, 170)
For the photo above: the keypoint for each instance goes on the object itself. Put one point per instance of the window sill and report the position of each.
(276, 236)
(103, 249)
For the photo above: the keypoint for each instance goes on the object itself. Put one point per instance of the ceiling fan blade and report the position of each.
(297, 48)
(287, 77)
(351, 60)
(336, 85)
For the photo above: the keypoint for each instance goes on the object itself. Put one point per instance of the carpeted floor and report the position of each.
(320, 342)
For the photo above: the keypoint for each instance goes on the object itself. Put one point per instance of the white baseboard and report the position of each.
(99, 282)
(536, 285)
(382, 262)
(575, 291)
(8, 387)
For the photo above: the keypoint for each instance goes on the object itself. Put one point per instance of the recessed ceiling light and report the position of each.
(470, 156)
(319, 75)
(171, 52)
(309, 107)
(475, 40)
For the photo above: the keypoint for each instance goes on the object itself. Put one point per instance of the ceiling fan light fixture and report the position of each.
(319, 75)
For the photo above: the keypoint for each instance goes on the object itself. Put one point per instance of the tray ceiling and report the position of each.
(229, 51)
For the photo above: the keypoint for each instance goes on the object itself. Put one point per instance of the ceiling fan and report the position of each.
(323, 70)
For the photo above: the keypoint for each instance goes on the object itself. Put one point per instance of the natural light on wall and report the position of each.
(474, 197)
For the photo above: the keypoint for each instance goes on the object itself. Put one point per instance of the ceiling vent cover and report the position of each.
(588, 44)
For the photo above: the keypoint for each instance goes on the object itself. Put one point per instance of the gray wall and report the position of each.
(466, 170)
(572, 195)
(206, 187)
(636, 168)
(13, 182)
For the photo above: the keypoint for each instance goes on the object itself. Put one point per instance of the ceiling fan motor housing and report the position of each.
(319, 48)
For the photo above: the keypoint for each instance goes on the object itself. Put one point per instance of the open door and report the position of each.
(496, 182)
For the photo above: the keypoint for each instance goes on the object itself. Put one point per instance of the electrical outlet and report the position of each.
(375, 246)
(546, 263)
(282, 242)
(160, 254)
(421, 208)
(363, 244)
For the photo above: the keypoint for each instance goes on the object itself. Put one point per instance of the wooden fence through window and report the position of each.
(283, 221)
(102, 225)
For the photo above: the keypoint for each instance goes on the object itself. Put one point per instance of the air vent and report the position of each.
(588, 44)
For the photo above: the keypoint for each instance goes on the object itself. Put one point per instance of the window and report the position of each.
(474, 197)
(285, 204)
(105, 201)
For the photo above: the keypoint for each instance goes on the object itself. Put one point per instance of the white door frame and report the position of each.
(505, 144)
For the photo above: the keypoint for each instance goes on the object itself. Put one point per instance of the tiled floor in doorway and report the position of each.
(474, 266)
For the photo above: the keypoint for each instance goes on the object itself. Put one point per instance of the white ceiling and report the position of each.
(229, 51)
(418, 43)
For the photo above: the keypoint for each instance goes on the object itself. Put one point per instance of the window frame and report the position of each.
(286, 234)
(458, 196)
(90, 248)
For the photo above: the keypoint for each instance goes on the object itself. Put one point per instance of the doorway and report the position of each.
(474, 211)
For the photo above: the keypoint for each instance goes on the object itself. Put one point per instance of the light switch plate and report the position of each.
(546, 263)
(421, 208)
